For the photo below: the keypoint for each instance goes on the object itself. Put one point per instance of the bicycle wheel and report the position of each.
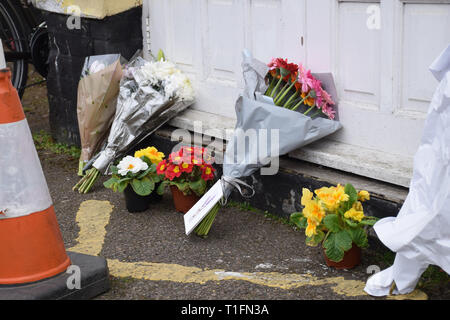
(14, 34)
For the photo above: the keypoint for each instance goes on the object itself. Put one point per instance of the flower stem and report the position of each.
(94, 175)
(281, 92)
(277, 101)
(80, 167)
(203, 228)
(270, 88)
(315, 114)
(276, 87)
(299, 104)
(291, 99)
(309, 110)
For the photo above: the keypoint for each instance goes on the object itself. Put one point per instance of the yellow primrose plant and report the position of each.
(334, 216)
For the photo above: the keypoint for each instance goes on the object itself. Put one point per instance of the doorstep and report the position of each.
(280, 194)
(381, 166)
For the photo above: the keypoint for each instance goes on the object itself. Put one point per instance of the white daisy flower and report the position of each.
(131, 164)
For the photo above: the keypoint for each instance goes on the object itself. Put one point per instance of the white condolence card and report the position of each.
(200, 210)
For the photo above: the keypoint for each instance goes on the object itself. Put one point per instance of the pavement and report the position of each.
(248, 255)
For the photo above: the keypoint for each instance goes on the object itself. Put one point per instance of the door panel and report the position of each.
(358, 56)
(426, 30)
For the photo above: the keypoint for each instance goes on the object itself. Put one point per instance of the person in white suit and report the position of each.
(420, 234)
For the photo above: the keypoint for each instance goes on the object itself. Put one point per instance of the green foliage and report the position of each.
(299, 220)
(352, 194)
(359, 237)
(161, 56)
(331, 222)
(44, 141)
(336, 244)
(199, 187)
(315, 239)
(143, 187)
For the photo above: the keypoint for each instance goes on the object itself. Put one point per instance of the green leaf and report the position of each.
(351, 223)
(352, 194)
(299, 220)
(114, 170)
(343, 240)
(331, 222)
(143, 174)
(161, 56)
(183, 186)
(121, 186)
(143, 187)
(336, 244)
(162, 188)
(155, 177)
(315, 239)
(359, 237)
(332, 250)
(199, 187)
(126, 179)
(109, 183)
(368, 222)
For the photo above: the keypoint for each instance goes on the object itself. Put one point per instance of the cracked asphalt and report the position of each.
(242, 243)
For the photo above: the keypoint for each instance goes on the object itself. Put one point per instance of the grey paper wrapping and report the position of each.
(96, 103)
(256, 111)
(140, 110)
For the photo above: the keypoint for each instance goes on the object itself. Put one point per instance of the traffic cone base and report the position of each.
(22, 238)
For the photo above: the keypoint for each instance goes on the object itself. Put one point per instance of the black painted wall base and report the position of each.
(94, 281)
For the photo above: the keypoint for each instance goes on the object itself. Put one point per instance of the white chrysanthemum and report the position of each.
(179, 85)
(131, 164)
(175, 83)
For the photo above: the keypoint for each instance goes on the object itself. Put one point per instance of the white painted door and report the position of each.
(378, 51)
(206, 38)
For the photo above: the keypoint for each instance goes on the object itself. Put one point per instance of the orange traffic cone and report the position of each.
(31, 245)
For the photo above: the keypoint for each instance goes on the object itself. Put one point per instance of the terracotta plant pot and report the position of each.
(352, 258)
(136, 203)
(182, 202)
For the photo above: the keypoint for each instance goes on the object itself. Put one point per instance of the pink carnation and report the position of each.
(329, 111)
(305, 78)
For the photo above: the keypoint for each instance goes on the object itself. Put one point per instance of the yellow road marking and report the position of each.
(93, 217)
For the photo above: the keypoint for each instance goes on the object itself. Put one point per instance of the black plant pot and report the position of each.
(154, 196)
(136, 203)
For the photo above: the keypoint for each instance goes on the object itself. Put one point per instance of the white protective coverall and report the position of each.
(420, 234)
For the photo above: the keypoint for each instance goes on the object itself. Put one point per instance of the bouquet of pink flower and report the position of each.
(293, 87)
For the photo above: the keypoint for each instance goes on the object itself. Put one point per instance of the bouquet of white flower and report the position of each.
(151, 93)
